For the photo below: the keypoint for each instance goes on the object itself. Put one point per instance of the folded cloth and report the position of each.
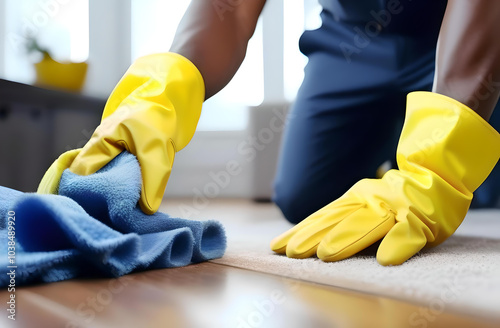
(94, 227)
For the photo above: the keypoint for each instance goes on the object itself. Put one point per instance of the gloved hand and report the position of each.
(445, 152)
(152, 113)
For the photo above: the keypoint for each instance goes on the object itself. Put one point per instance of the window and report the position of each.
(154, 24)
(61, 26)
(298, 15)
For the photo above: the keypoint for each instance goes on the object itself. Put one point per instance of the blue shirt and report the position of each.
(397, 16)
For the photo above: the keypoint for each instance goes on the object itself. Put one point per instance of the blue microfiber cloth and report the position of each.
(94, 227)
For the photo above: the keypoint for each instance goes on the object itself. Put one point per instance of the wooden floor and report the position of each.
(213, 295)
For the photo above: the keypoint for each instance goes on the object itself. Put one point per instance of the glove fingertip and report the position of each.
(325, 253)
(48, 185)
(279, 250)
(389, 260)
(300, 254)
(401, 243)
(146, 207)
(279, 244)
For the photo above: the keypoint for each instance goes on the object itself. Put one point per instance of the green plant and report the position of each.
(32, 46)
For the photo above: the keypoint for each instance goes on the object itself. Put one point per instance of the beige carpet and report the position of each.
(462, 274)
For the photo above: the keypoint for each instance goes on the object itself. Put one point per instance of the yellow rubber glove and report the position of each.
(445, 152)
(152, 113)
(50, 180)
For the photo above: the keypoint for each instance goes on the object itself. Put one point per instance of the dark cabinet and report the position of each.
(36, 126)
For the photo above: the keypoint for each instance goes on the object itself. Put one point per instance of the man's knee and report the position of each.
(297, 202)
(291, 204)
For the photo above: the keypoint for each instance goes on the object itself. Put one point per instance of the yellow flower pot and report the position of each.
(66, 76)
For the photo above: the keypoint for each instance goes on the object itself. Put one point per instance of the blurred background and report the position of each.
(60, 59)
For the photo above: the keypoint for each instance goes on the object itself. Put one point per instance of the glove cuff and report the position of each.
(448, 138)
(168, 80)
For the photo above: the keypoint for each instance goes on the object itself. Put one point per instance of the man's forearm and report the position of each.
(468, 54)
(214, 36)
